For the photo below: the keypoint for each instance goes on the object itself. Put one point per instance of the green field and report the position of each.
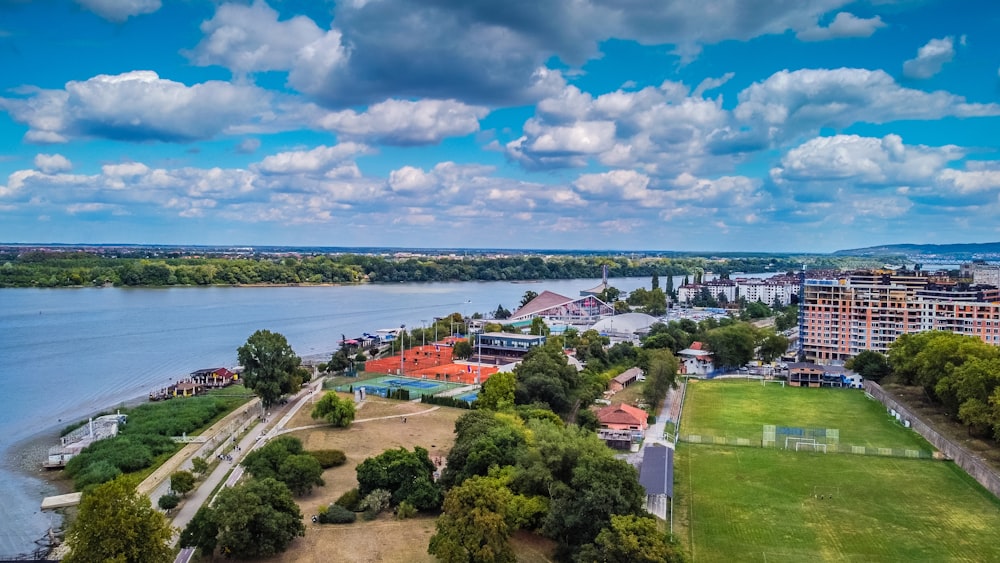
(753, 504)
(757, 504)
(740, 409)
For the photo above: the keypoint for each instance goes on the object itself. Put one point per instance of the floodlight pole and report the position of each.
(402, 331)
(423, 332)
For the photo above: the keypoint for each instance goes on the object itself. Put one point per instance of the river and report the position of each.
(66, 353)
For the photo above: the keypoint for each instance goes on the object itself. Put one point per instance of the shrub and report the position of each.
(405, 510)
(376, 501)
(169, 501)
(336, 514)
(350, 500)
(329, 458)
(651, 419)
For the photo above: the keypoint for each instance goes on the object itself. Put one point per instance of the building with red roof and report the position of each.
(623, 417)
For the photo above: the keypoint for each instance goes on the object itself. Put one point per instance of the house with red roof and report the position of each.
(623, 417)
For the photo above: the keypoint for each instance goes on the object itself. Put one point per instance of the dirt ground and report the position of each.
(385, 539)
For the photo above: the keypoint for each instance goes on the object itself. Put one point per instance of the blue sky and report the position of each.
(750, 125)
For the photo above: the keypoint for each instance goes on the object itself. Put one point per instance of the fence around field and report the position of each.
(807, 447)
(975, 467)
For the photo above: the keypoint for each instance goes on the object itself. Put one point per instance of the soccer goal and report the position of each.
(764, 382)
(793, 442)
(812, 447)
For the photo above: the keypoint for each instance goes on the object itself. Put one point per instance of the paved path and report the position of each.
(327, 424)
(257, 436)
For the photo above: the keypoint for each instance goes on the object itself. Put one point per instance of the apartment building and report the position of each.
(780, 287)
(869, 310)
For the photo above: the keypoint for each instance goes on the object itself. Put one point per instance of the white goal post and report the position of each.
(813, 445)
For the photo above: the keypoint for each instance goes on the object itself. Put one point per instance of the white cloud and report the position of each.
(930, 58)
(319, 159)
(845, 24)
(120, 10)
(403, 122)
(618, 185)
(248, 146)
(249, 39)
(801, 101)
(864, 160)
(138, 106)
(50, 163)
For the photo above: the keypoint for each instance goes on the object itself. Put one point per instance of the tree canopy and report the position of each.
(270, 366)
(408, 476)
(283, 459)
(544, 376)
(116, 523)
(256, 518)
(474, 526)
(333, 409)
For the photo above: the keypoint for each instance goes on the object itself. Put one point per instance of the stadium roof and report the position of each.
(628, 323)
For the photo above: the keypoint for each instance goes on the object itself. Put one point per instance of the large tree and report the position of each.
(258, 518)
(474, 525)
(661, 375)
(270, 366)
(333, 409)
(870, 365)
(631, 539)
(407, 475)
(545, 376)
(116, 523)
(498, 392)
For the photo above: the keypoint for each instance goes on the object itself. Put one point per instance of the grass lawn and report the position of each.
(739, 409)
(752, 504)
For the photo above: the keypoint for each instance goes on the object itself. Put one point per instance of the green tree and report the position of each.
(199, 465)
(462, 350)
(202, 531)
(755, 310)
(168, 502)
(300, 473)
(333, 409)
(771, 345)
(338, 362)
(656, 281)
(182, 482)
(545, 376)
(870, 365)
(116, 523)
(661, 375)
(474, 526)
(265, 462)
(631, 539)
(731, 345)
(527, 297)
(538, 327)
(257, 518)
(408, 476)
(501, 313)
(270, 366)
(498, 392)
(600, 488)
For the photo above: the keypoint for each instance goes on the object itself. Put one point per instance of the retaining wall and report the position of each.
(979, 470)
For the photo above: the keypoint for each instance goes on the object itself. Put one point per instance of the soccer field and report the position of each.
(740, 409)
(767, 504)
(752, 504)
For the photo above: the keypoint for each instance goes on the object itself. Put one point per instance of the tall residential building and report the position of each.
(869, 310)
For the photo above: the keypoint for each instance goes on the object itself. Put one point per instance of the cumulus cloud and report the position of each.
(864, 161)
(248, 146)
(404, 122)
(50, 163)
(476, 52)
(137, 106)
(930, 58)
(251, 38)
(845, 24)
(804, 100)
(120, 10)
(319, 159)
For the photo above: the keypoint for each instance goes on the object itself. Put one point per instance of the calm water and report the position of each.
(65, 353)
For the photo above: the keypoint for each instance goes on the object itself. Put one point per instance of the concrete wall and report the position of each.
(980, 471)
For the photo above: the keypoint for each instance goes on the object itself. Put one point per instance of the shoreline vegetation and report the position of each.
(167, 267)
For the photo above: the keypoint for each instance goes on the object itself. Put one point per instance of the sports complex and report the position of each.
(771, 473)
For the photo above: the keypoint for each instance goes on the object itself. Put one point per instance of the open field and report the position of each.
(739, 409)
(751, 504)
(384, 539)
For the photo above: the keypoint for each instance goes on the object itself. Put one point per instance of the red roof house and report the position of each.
(622, 417)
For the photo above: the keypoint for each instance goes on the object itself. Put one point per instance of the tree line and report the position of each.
(79, 268)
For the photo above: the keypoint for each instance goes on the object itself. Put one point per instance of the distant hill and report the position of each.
(955, 251)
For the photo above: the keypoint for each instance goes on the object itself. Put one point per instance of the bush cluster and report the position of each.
(351, 500)
(336, 514)
(445, 401)
(329, 458)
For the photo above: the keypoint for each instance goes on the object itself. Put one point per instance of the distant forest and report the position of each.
(76, 268)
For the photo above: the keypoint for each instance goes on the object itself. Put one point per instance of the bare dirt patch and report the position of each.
(384, 539)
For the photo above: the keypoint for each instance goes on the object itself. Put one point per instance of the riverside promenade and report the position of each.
(274, 424)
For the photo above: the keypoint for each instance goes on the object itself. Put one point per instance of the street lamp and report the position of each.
(402, 331)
